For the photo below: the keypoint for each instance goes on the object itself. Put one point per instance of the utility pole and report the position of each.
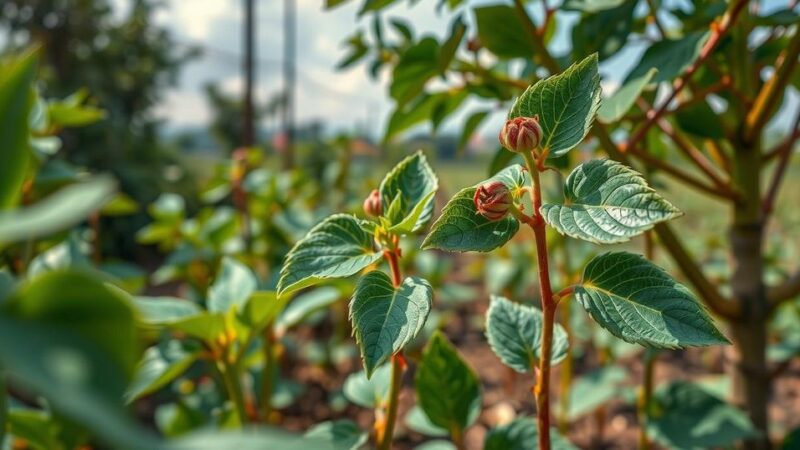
(248, 125)
(289, 76)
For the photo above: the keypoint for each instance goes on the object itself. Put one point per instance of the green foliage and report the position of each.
(460, 227)
(234, 285)
(640, 303)
(686, 416)
(447, 388)
(670, 56)
(566, 105)
(385, 318)
(521, 434)
(607, 202)
(368, 392)
(514, 332)
(16, 81)
(617, 105)
(336, 248)
(159, 366)
(342, 434)
(413, 183)
(502, 32)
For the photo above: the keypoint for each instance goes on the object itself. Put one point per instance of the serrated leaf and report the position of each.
(566, 105)
(233, 286)
(385, 319)
(461, 229)
(336, 248)
(620, 102)
(448, 390)
(514, 332)
(522, 434)
(640, 303)
(607, 202)
(688, 417)
(368, 392)
(414, 181)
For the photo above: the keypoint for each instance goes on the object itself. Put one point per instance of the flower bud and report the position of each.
(521, 134)
(372, 204)
(493, 200)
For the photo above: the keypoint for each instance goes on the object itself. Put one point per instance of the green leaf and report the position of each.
(461, 229)
(670, 56)
(640, 303)
(16, 100)
(385, 319)
(258, 438)
(700, 120)
(592, 6)
(77, 302)
(164, 310)
(64, 209)
(344, 434)
(566, 105)
(336, 248)
(450, 46)
(417, 65)
(448, 390)
(234, 285)
(686, 416)
(416, 420)
(414, 181)
(261, 308)
(501, 30)
(369, 392)
(160, 365)
(620, 102)
(470, 125)
(594, 389)
(514, 332)
(604, 32)
(205, 326)
(425, 107)
(607, 202)
(37, 428)
(522, 434)
(306, 304)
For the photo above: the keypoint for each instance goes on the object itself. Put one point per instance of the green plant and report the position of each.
(723, 128)
(604, 202)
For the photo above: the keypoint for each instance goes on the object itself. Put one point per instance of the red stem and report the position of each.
(398, 364)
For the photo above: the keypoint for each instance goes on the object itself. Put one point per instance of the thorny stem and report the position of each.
(542, 389)
(398, 364)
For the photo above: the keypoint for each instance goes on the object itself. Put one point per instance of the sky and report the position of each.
(344, 100)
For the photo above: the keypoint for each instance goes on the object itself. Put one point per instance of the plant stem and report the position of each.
(3, 407)
(268, 378)
(234, 388)
(645, 396)
(542, 389)
(398, 364)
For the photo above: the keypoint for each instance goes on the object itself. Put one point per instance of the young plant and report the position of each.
(387, 310)
(605, 202)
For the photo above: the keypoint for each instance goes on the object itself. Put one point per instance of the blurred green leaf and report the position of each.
(37, 428)
(522, 434)
(450, 46)
(160, 365)
(233, 286)
(305, 304)
(344, 434)
(501, 30)
(417, 421)
(416, 66)
(620, 102)
(164, 310)
(594, 389)
(386, 318)
(592, 6)
(448, 390)
(700, 120)
(470, 125)
(688, 417)
(566, 105)
(59, 211)
(670, 56)
(369, 393)
(604, 32)
(16, 99)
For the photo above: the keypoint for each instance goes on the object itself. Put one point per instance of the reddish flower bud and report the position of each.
(521, 134)
(372, 204)
(474, 45)
(493, 200)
